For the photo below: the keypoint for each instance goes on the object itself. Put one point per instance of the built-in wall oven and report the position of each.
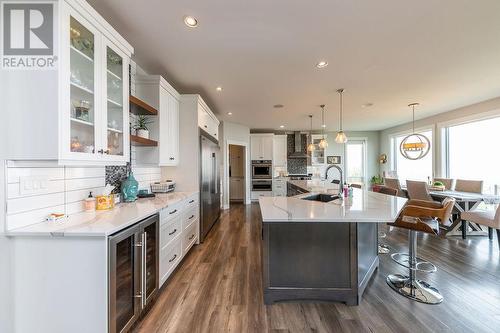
(133, 272)
(260, 185)
(262, 169)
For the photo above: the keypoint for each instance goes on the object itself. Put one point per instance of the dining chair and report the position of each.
(392, 183)
(390, 174)
(472, 186)
(388, 191)
(418, 190)
(488, 218)
(423, 216)
(447, 182)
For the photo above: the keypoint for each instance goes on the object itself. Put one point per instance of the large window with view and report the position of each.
(355, 153)
(412, 169)
(472, 152)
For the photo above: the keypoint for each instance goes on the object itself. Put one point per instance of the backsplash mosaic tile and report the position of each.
(116, 174)
(296, 165)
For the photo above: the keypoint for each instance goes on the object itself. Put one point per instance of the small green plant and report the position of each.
(377, 180)
(438, 183)
(142, 122)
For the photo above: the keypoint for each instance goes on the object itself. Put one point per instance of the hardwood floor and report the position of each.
(218, 289)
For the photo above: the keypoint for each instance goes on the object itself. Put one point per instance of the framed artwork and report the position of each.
(333, 160)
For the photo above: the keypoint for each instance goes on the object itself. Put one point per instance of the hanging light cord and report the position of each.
(340, 91)
(323, 120)
(413, 107)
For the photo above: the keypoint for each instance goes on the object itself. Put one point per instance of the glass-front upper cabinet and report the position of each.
(95, 114)
(116, 114)
(83, 102)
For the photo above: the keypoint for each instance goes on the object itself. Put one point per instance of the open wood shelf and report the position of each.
(139, 107)
(138, 141)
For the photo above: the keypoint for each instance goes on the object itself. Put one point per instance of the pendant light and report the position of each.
(414, 146)
(323, 143)
(341, 137)
(310, 146)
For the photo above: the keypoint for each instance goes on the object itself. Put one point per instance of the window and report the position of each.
(355, 153)
(472, 152)
(412, 169)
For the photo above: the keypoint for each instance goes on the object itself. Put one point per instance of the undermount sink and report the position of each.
(321, 197)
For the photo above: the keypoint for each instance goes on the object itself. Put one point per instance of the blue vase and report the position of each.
(130, 187)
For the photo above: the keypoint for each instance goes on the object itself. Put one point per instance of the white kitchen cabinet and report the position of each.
(179, 231)
(79, 112)
(207, 121)
(279, 187)
(279, 151)
(236, 188)
(157, 92)
(261, 146)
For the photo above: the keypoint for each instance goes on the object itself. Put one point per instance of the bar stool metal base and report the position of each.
(383, 249)
(419, 290)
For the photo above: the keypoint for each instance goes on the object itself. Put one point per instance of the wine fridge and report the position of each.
(133, 272)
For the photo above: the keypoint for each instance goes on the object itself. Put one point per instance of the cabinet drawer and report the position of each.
(192, 201)
(170, 213)
(169, 258)
(169, 231)
(191, 216)
(190, 236)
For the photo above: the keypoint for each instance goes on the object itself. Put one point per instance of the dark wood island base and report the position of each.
(326, 261)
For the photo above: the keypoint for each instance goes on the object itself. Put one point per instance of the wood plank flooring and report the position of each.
(218, 289)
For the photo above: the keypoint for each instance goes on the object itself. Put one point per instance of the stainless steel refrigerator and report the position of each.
(209, 184)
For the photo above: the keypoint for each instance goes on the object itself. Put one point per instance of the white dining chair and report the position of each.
(489, 218)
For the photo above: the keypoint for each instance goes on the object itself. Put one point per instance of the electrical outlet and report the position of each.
(33, 184)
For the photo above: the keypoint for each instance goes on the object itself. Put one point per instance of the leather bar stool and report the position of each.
(423, 216)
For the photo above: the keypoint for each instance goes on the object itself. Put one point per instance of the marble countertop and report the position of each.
(103, 223)
(363, 206)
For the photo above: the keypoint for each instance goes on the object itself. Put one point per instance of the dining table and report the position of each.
(464, 201)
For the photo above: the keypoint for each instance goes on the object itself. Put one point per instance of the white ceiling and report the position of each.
(443, 53)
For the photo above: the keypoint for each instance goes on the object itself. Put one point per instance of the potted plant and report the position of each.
(141, 126)
(376, 182)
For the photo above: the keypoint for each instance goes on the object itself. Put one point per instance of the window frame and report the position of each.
(395, 149)
(365, 157)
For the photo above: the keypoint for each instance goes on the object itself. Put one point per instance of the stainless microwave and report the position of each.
(262, 169)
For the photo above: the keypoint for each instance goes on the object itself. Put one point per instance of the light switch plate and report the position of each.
(33, 185)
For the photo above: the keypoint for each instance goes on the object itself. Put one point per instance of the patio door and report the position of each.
(355, 161)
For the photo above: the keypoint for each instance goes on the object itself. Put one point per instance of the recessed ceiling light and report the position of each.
(322, 64)
(278, 106)
(218, 88)
(190, 21)
(367, 105)
(282, 126)
(229, 113)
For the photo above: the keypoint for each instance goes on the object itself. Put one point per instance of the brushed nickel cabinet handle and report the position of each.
(173, 232)
(191, 217)
(191, 201)
(173, 212)
(192, 236)
(173, 258)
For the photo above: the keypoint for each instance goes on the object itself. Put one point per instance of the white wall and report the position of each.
(6, 315)
(471, 111)
(231, 133)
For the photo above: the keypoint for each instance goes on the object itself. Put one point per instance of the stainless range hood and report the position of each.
(298, 149)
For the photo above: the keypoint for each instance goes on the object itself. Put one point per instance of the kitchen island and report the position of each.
(319, 247)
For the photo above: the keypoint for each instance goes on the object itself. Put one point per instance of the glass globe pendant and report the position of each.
(323, 143)
(341, 136)
(310, 146)
(414, 146)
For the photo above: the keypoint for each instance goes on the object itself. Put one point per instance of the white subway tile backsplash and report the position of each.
(72, 173)
(19, 205)
(85, 183)
(13, 174)
(67, 187)
(31, 217)
(54, 186)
